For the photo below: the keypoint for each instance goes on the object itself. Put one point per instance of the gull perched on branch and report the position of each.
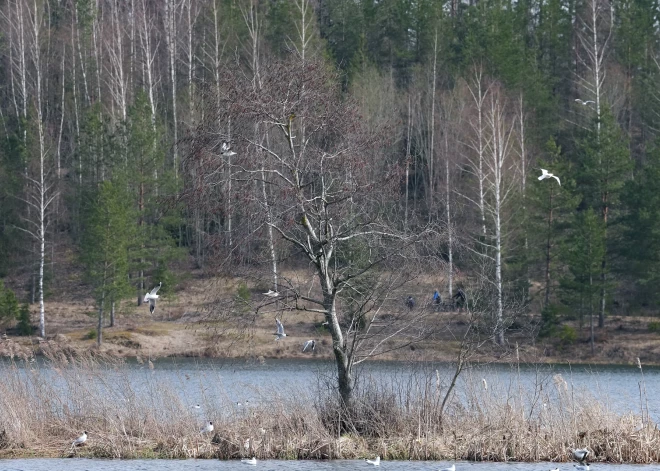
(152, 297)
(272, 294)
(280, 329)
(225, 150)
(547, 174)
(584, 103)
(310, 344)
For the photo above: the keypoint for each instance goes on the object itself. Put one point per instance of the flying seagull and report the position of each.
(580, 454)
(80, 440)
(547, 174)
(451, 468)
(252, 461)
(375, 462)
(151, 298)
(584, 103)
(225, 150)
(280, 330)
(272, 294)
(310, 344)
(208, 428)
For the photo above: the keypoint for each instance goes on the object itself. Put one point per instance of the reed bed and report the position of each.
(46, 405)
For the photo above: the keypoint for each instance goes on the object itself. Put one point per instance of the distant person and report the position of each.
(410, 302)
(460, 299)
(437, 299)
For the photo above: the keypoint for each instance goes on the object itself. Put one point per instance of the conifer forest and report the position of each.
(375, 141)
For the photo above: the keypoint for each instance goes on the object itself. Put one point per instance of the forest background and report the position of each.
(102, 105)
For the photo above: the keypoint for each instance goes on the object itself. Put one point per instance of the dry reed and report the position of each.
(45, 405)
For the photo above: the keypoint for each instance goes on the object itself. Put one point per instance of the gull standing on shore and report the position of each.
(152, 297)
(80, 440)
(280, 330)
(208, 428)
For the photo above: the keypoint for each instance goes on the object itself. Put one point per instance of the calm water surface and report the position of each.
(237, 384)
(267, 465)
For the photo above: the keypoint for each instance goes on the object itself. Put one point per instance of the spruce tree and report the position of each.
(109, 230)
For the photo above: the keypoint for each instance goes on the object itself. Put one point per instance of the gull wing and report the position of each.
(155, 290)
(280, 327)
(556, 178)
(307, 345)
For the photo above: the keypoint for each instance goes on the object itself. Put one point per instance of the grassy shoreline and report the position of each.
(47, 405)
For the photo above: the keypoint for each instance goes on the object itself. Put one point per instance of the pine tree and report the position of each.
(640, 238)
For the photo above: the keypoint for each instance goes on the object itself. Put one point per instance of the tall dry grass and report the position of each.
(45, 405)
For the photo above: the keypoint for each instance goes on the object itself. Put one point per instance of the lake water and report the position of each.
(267, 465)
(234, 386)
(238, 383)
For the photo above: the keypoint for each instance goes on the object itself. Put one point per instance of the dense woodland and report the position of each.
(436, 118)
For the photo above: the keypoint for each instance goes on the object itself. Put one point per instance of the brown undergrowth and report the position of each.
(46, 405)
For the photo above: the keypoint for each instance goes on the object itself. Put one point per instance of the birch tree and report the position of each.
(596, 24)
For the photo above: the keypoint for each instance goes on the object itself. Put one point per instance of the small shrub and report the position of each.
(567, 335)
(243, 292)
(654, 326)
(8, 303)
(549, 321)
(24, 326)
(91, 335)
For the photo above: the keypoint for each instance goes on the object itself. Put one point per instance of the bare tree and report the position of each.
(497, 187)
(477, 141)
(330, 216)
(39, 186)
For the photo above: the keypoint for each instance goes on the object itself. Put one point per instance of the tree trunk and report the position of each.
(99, 330)
(548, 247)
(112, 314)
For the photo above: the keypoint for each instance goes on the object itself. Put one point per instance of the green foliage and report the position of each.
(108, 232)
(549, 321)
(567, 335)
(24, 326)
(605, 164)
(91, 335)
(583, 252)
(243, 292)
(640, 230)
(654, 327)
(8, 303)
